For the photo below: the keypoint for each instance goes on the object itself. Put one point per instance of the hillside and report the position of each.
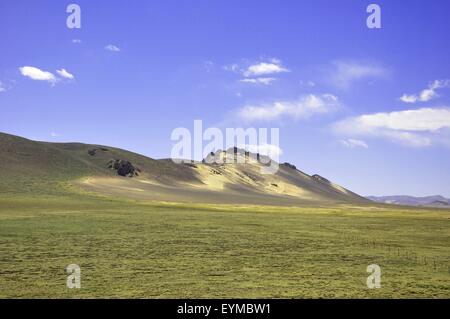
(154, 248)
(43, 168)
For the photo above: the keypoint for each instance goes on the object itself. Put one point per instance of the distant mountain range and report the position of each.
(428, 201)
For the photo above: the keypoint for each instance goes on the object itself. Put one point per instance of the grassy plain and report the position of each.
(148, 249)
(156, 250)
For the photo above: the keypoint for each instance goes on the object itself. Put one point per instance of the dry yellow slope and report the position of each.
(234, 182)
(31, 166)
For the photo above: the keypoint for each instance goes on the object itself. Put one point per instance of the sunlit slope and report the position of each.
(32, 166)
(41, 167)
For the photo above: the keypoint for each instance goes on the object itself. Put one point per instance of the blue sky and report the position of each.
(366, 108)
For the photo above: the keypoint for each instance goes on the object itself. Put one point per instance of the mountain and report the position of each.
(55, 168)
(429, 201)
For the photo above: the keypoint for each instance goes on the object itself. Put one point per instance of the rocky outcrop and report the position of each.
(321, 179)
(123, 168)
(290, 166)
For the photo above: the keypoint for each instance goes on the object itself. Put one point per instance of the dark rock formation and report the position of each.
(216, 172)
(321, 179)
(290, 165)
(123, 168)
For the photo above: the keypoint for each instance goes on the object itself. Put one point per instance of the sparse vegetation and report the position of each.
(131, 249)
(150, 249)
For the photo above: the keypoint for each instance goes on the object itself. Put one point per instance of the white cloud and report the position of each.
(76, 41)
(112, 48)
(271, 150)
(2, 87)
(426, 94)
(257, 69)
(354, 143)
(304, 107)
(37, 74)
(409, 98)
(53, 134)
(344, 73)
(63, 73)
(40, 75)
(426, 119)
(265, 81)
(264, 68)
(421, 127)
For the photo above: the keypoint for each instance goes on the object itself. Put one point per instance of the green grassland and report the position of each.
(158, 250)
(149, 249)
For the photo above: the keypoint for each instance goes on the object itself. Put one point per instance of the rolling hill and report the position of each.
(145, 228)
(53, 168)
